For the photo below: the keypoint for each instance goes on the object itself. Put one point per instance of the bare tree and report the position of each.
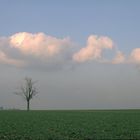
(27, 91)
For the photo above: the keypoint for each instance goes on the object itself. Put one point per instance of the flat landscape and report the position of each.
(70, 125)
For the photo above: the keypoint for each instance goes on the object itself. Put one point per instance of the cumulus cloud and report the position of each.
(135, 56)
(94, 48)
(39, 44)
(41, 50)
(33, 50)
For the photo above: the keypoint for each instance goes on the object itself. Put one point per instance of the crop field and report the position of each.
(70, 125)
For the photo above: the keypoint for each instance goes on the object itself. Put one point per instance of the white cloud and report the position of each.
(94, 48)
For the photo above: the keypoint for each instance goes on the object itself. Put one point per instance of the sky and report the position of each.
(84, 54)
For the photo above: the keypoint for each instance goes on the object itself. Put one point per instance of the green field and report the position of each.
(70, 125)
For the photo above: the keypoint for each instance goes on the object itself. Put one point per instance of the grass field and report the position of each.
(70, 125)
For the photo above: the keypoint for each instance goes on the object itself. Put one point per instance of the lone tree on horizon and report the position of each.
(27, 91)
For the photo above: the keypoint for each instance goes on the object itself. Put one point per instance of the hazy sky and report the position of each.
(85, 54)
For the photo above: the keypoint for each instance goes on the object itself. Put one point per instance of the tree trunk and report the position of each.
(28, 105)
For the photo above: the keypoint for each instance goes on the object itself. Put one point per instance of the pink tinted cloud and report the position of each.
(94, 48)
(135, 55)
(38, 44)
